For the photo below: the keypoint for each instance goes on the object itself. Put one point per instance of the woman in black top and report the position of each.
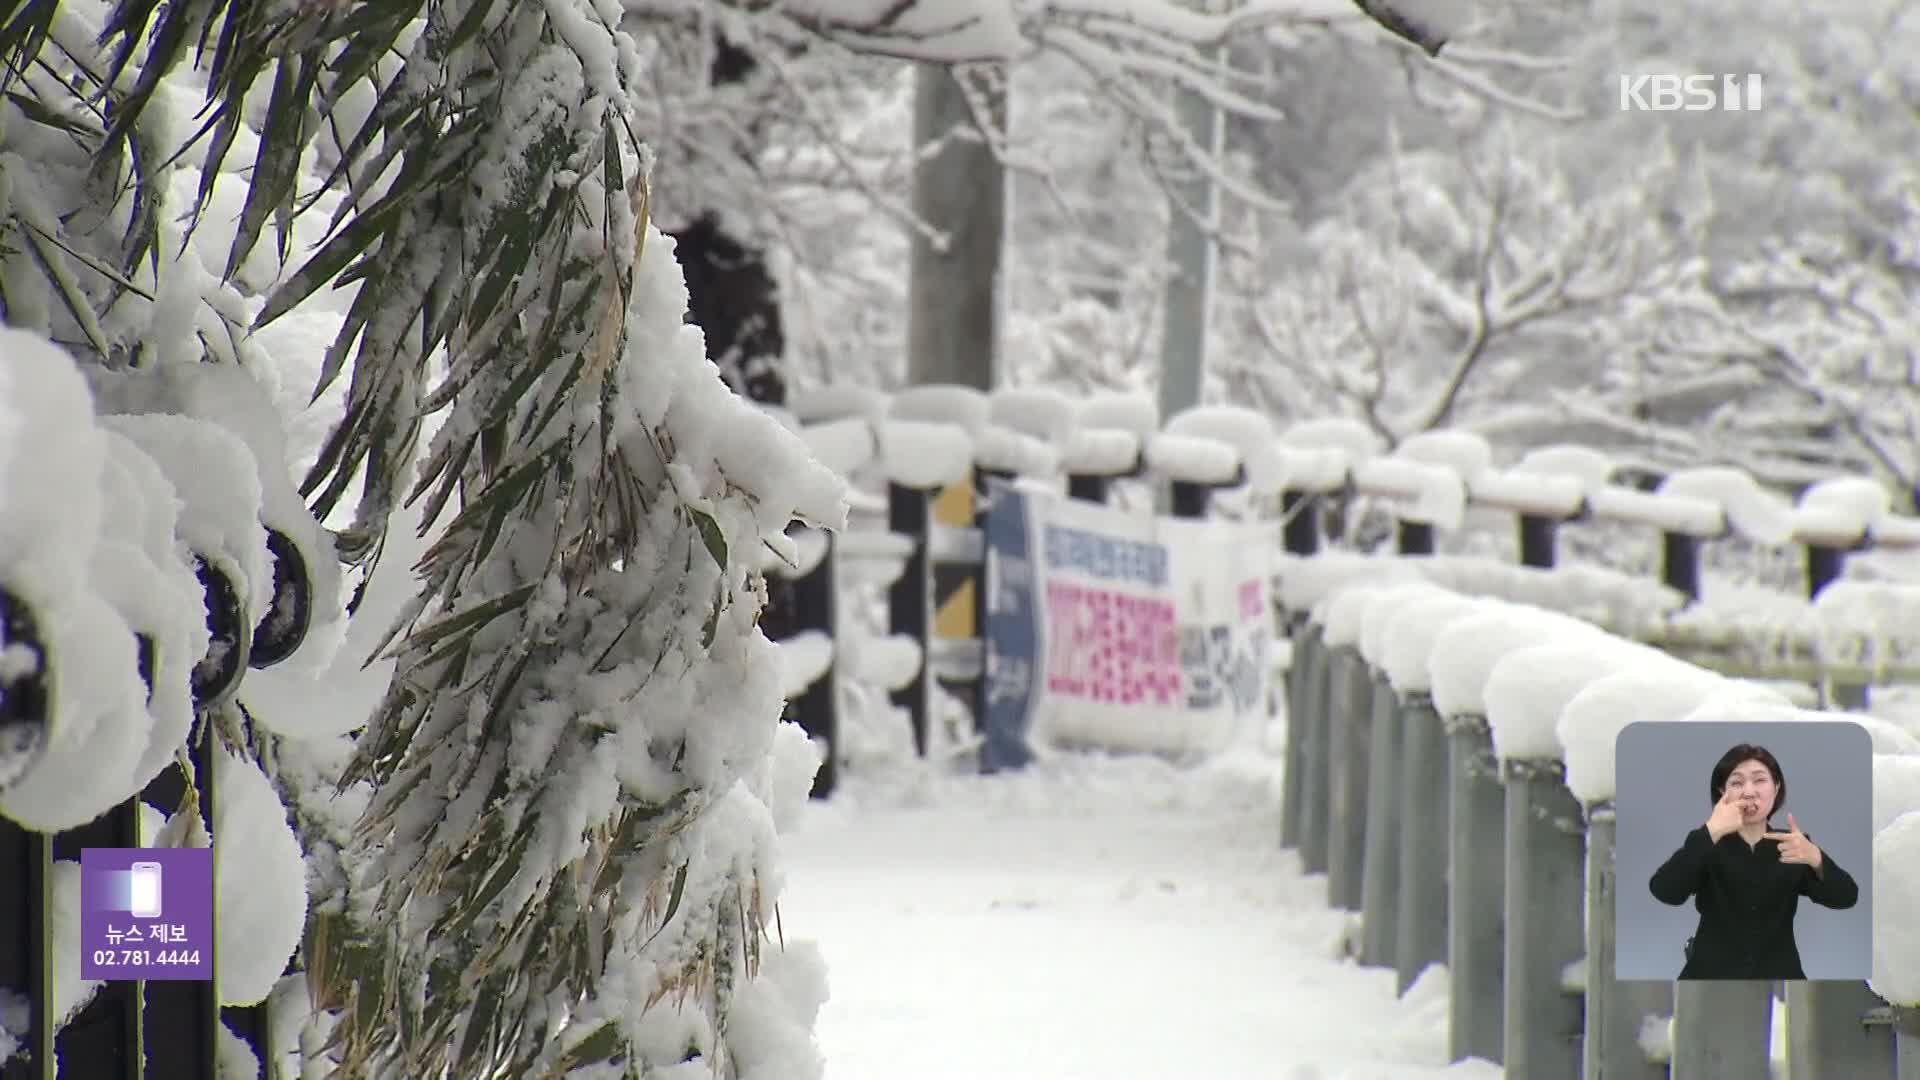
(1747, 880)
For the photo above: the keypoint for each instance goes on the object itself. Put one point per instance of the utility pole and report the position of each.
(960, 189)
(1191, 252)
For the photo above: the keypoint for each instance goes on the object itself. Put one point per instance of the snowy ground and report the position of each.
(1096, 918)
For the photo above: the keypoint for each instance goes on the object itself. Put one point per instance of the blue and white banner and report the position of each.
(1131, 632)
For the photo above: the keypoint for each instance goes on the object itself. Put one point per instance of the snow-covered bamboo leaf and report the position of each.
(276, 166)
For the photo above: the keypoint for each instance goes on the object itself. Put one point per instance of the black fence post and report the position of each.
(1537, 540)
(1300, 514)
(26, 859)
(104, 1039)
(816, 606)
(1189, 499)
(181, 1024)
(909, 514)
(1825, 563)
(1414, 537)
(1089, 487)
(26, 863)
(1680, 564)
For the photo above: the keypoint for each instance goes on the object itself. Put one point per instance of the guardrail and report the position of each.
(1403, 695)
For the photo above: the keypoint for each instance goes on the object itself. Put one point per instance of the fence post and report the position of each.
(909, 513)
(1537, 540)
(181, 1020)
(984, 480)
(1414, 537)
(1824, 566)
(1828, 1034)
(1380, 853)
(1305, 776)
(1189, 499)
(1721, 1029)
(1422, 931)
(104, 1039)
(1300, 538)
(1348, 723)
(26, 860)
(1545, 894)
(1089, 487)
(816, 606)
(1615, 1009)
(1906, 1032)
(1300, 517)
(26, 865)
(1476, 892)
(1680, 564)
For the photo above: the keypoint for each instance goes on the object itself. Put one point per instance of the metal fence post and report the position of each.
(1089, 487)
(104, 1039)
(1380, 867)
(1187, 499)
(1721, 1029)
(909, 513)
(1680, 564)
(1824, 567)
(1476, 892)
(182, 1019)
(1906, 1033)
(1300, 537)
(816, 603)
(1422, 932)
(26, 858)
(1545, 894)
(1348, 723)
(1828, 1034)
(1615, 1010)
(1303, 773)
(1537, 540)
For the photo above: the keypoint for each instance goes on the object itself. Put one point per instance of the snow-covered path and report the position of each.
(1093, 919)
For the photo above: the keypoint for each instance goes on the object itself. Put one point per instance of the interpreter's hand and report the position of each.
(1794, 845)
(1726, 816)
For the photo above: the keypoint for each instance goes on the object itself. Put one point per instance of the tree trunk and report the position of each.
(959, 188)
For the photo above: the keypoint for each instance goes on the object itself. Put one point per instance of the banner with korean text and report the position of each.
(1121, 630)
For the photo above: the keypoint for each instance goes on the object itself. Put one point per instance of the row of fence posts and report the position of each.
(937, 560)
(131, 1030)
(1524, 888)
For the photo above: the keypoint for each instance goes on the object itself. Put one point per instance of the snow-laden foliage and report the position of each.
(565, 861)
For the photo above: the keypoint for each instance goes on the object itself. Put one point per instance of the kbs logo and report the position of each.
(1690, 93)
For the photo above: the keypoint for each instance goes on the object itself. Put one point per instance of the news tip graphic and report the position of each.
(146, 913)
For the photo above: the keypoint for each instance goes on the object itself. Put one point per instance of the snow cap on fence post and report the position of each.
(1896, 787)
(940, 403)
(1760, 515)
(1885, 736)
(1527, 688)
(1308, 583)
(1041, 412)
(1589, 725)
(1896, 894)
(824, 404)
(1472, 643)
(1251, 435)
(1345, 613)
(845, 446)
(1384, 610)
(1410, 641)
